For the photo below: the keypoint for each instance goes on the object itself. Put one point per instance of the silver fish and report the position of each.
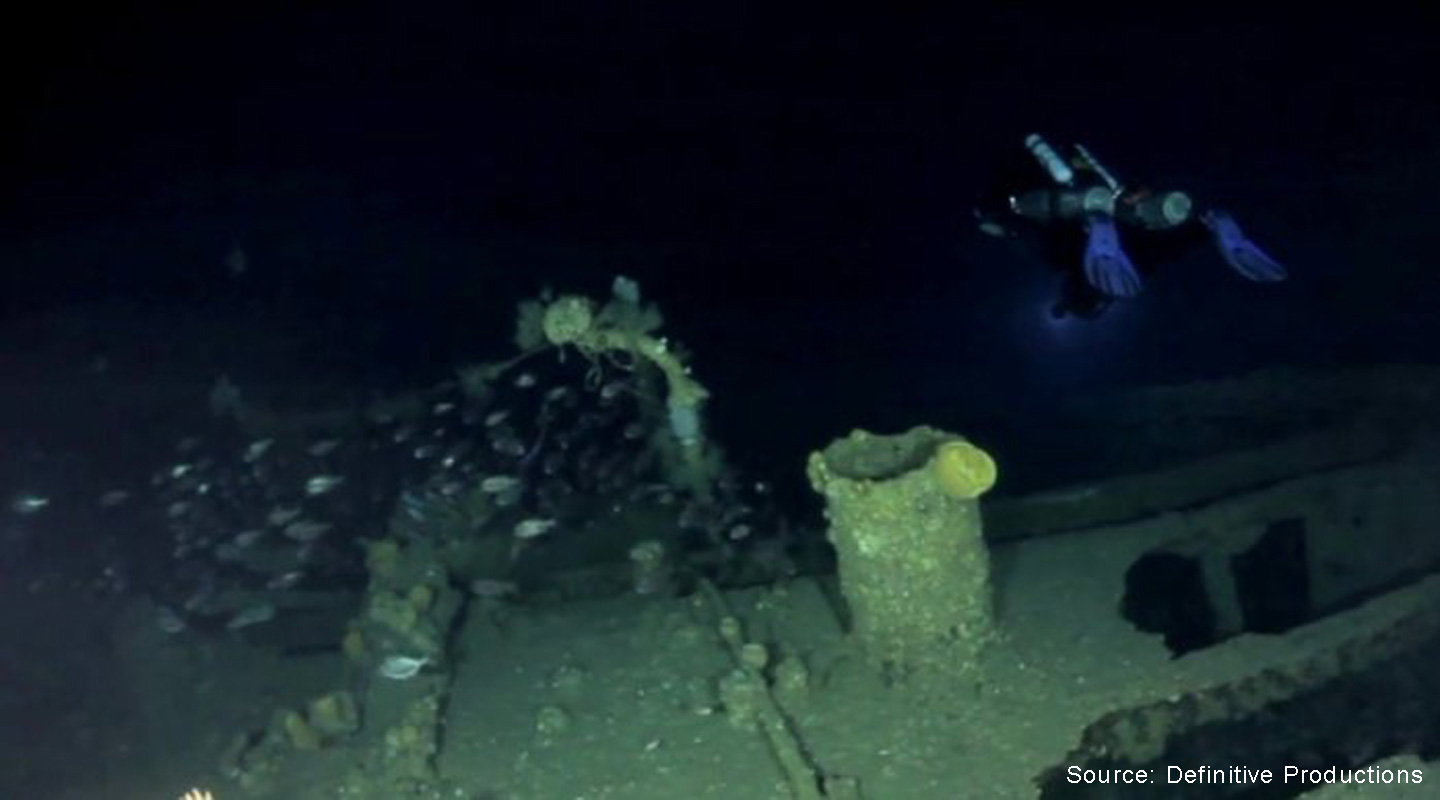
(251, 615)
(533, 527)
(306, 531)
(320, 484)
(508, 444)
(414, 504)
(612, 390)
(495, 484)
(496, 417)
(248, 538)
(256, 450)
(169, 621)
(281, 516)
(287, 580)
(402, 668)
(450, 488)
(29, 503)
(113, 498)
(323, 447)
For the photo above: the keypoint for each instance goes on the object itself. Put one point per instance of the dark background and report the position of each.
(794, 188)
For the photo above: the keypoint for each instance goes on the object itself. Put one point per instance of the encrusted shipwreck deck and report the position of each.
(1227, 631)
(1265, 598)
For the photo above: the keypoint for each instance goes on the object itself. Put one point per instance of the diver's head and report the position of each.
(1079, 299)
(1061, 310)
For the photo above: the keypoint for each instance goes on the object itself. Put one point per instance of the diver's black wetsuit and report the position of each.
(1026, 201)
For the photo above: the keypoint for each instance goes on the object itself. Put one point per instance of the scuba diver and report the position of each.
(1076, 208)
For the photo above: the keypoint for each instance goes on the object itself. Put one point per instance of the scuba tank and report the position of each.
(1060, 172)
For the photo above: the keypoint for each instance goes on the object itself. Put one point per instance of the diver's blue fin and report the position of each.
(1243, 255)
(1107, 268)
